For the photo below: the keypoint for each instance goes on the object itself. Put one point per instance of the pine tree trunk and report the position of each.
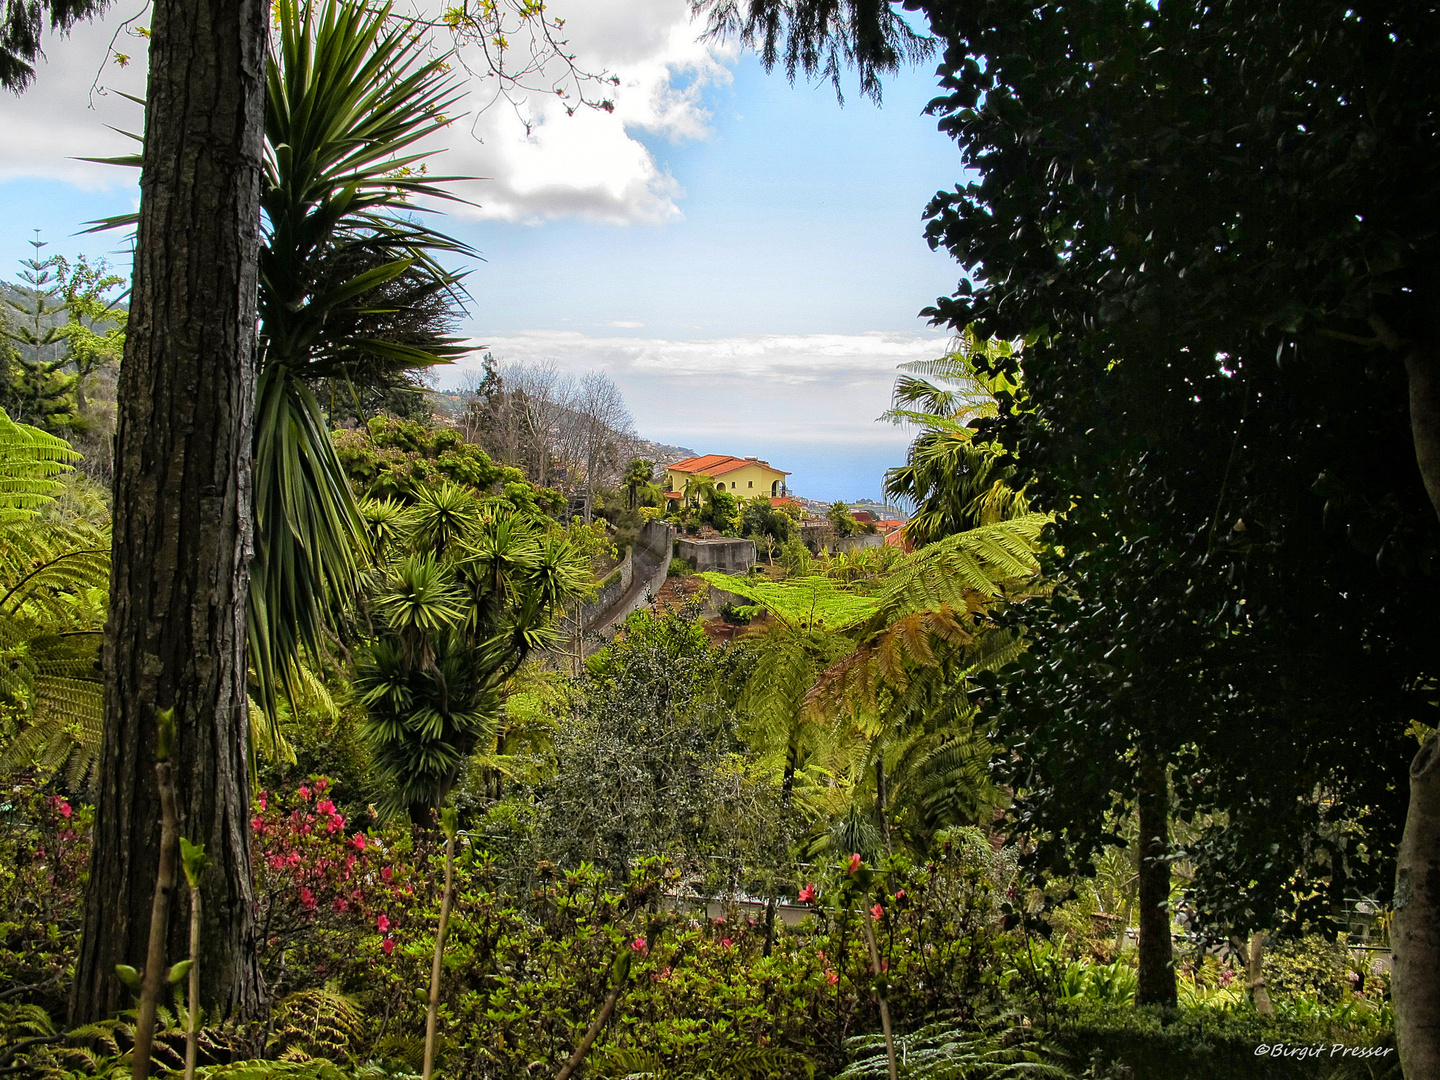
(176, 633)
(1155, 951)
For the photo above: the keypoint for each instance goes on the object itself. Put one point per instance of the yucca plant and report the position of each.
(351, 93)
(467, 593)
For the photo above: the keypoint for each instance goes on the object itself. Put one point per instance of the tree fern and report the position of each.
(30, 461)
(947, 1051)
(54, 576)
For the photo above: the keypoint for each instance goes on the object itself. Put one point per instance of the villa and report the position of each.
(745, 478)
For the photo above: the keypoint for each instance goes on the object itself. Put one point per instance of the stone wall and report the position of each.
(724, 554)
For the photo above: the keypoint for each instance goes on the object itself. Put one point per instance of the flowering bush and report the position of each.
(44, 850)
(328, 893)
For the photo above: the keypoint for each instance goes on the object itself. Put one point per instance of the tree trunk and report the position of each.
(176, 632)
(1255, 968)
(1156, 954)
(1415, 931)
(880, 804)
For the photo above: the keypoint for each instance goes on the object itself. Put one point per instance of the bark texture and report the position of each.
(1156, 952)
(176, 632)
(1415, 931)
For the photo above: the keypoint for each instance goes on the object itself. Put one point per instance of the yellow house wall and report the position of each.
(738, 483)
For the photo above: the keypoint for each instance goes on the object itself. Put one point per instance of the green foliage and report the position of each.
(465, 594)
(34, 387)
(954, 480)
(54, 577)
(1308, 967)
(946, 1051)
(394, 459)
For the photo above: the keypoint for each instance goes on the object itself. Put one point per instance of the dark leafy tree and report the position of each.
(1210, 213)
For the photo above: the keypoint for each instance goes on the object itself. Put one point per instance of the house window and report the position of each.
(750, 483)
(732, 485)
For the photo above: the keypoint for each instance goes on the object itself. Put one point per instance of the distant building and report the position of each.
(745, 478)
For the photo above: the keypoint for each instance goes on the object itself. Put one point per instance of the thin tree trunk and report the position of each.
(176, 631)
(880, 804)
(1415, 931)
(1256, 970)
(156, 970)
(1156, 952)
(432, 1012)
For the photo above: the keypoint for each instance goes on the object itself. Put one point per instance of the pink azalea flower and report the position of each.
(263, 797)
(340, 904)
(321, 784)
(638, 945)
(382, 923)
(720, 921)
(386, 873)
(854, 862)
(325, 806)
(807, 894)
(831, 978)
(304, 793)
(65, 810)
(727, 943)
(899, 894)
(359, 841)
(388, 945)
(877, 911)
(307, 899)
(258, 824)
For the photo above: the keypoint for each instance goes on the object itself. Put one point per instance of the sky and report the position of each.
(745, 258)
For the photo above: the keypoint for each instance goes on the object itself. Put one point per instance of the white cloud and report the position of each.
(625, 324)
(65, 113)
(538, 164)
(801, 388)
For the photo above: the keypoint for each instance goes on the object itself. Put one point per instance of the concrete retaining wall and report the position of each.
(726, 554)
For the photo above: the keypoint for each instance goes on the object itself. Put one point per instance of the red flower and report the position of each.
(258, 824)
(854, 862)
(324, 806)
(877, 911)
(321, 784)
(359, 841)
(831, 978)
(807, 894)
(899, 894)
(386, 873)
(65, 810)
(340, 904)
(388, 945)
(727, 943)
(307, 899)
(720, 921)
(382, 923)
(304, 793)
(263, 797)
(639, 945)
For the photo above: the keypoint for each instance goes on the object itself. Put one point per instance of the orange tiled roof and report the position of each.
(720, 464)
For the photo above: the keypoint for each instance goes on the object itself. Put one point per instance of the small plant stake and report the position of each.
(194, 860)
(432, 1015)
(155, 975)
